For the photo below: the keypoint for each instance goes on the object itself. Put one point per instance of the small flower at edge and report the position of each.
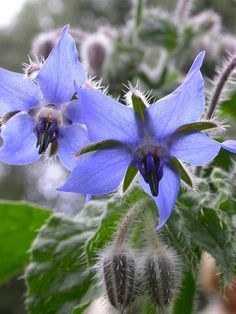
(45, 112)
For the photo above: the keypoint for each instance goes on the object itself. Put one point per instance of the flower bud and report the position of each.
(94, 51)
(43, 43)
(206, 21)
(118, 274)
(162, 276)
(32, 69)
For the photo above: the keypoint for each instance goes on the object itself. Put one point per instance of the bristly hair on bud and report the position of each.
(116, 273)
(32, 68)
(95, 84)
(135, 91)
(161, 275)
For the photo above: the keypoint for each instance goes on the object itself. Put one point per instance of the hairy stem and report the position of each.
(150, 228)
(223, 77)
(125, 224)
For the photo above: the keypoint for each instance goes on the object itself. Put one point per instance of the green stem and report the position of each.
(139, 12)
(150, 229)
(126, 222)
(185, 300)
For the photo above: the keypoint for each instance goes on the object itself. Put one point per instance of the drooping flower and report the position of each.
(42, 109)
(149, 140)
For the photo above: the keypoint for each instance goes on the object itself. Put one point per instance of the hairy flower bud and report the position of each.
(43, 43)
(94, 51)
(206, 21)
(117, 271)
(32, 68)
(161, 276)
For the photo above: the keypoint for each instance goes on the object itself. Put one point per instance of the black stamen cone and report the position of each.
(153, 183)
(47, 132)
(151, 169)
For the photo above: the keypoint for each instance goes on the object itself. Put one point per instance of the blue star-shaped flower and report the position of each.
(147, 144)
(44, 111)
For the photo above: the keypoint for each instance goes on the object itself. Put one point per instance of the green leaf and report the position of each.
(19, 223)
(57, 277)
(138, 105)
(129, 177)
(97, 146)
(80, 308)
(197, 126)
(183, 173)
(184, 302)
(211, 234)
(175, 236)
(227, 107)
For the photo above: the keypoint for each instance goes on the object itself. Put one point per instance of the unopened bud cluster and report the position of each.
(125, 276)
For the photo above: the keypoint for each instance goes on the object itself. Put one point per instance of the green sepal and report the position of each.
(183, 173)
(197, 126)
(129, 177)
(97, 146)
(138, 105)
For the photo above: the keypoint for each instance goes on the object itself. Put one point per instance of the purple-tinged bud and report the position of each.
(162, 276)
(206, 21)
(117, 273)
(227, 44)
(44, 42)
(95, 50)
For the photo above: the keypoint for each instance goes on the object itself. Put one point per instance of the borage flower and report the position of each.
(149, 140)
(43, 113)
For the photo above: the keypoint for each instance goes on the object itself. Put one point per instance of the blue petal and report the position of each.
(185, 105)
(100, 172)
(168, 191)
(74, 113)
(72, 138)
(16, 92)
(19, 141)
(229, 145)
(107, 119)
(57, 75)
(195, 148)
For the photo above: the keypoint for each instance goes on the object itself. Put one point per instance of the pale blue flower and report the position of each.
(45, 113)
(148, 144)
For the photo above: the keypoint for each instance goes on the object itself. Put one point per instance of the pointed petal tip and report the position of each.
(62, 189)
(159, 227)
(197, 63)
(65, 28)
(88, 198)
(229, 145)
